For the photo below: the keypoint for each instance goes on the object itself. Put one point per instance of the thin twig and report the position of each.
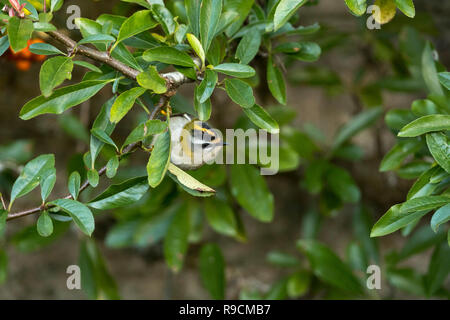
(11, 216)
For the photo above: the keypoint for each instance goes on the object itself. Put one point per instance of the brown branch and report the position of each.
(174, 79)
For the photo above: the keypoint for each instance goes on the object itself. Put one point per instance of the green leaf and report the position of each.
(328, 267)
(137, 23)
(303, 51)
(3, 216)
(112, 166)
(394, 158)
(31, 175)
(440, 149)
(284, 11)
(145, 130)
(103, 137)
(121, 195)
(97, 38)
(151, 80)
(102, 123)
(262, 119)
(240, 92)
(62, 99)
(19, 32)
(407, 7)
(203, 109)
(425, 124)
(424, 203)
(298, 284)
(74, 184)
(207, 86)
(236, 70)
(210, 11)
(242, 7)
(251, 192)
(197, 46)
(87, 65)
(444, 78)
(176, 239)
(3, 266)
(44, 225)
(248, 46)
(164, 17)
(169, 55)
(44, 49)
(93, 177)
(47, 183)
(393, 220)
(53, 72)
(442, 215)
(79, 212)
(396, 119)
(43, 27)
(438, 268)
(55, 5)
(275, 81)
(124, 103)
(357, 124)
(212, 270)
(4, 44)
(429, 71)
(424, 107)
(189, 183)
(221, 217)
(358, 7)
(193, 15)
(159, 159)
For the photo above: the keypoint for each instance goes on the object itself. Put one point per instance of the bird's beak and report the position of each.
(225, 144)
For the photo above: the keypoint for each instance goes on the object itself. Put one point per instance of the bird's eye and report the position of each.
(205, 145)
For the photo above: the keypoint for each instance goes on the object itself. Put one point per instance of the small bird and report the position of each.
(194, 142)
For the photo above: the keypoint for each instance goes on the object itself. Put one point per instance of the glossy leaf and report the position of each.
(210, 11)
(124, 103)
(44, 49)
(235, 69)
(169, 55)
(159, 159)
(262, 119)
(62, 99)
(358, 7)
(74, 184)
(248, 46)
(203, 109)
(407, 7)
(19, 32)
(275, 82)
(444, 78)
(193, 15)
(80, 214)
(425, 124)
(151, 80)
(31, 175)
(44, 225)
(442, 215)
(197, 46)
(53, 72)
(284, 11)
(439, 147)
(120, 195)
(221, 217)
(207, 86)
(139, 22)
(429, 71)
